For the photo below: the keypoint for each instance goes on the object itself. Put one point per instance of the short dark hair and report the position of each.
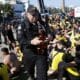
(5, 50)
(33, 10)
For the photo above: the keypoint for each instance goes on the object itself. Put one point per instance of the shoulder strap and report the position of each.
(54, 55)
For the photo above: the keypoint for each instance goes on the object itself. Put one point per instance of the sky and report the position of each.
(57, 3)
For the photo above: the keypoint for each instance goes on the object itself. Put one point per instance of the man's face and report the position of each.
(31, 18)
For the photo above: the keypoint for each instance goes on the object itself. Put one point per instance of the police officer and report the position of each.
(28, 37)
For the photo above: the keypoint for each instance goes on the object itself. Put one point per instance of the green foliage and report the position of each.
(1, 6)
(5, 8)
(57, 10)
(53, 10)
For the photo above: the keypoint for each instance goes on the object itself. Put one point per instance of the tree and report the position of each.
(1, 7)
(7, 12)
(7, 7)
(53, 10)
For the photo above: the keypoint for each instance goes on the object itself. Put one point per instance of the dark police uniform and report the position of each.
(0, 35)
(27, 32)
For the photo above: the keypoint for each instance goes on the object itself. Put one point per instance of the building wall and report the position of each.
(8, 1)
(11, 1)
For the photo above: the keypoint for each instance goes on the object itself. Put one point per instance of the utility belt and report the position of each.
(34, 49)
(29, 47)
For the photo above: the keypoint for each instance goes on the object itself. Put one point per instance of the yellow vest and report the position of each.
(57, 58)
(4, 72)
(73, 71)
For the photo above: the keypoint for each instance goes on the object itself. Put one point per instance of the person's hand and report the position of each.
(36, 41)
(13, 70)
(9, 42)
(73, 62)
(49, 37)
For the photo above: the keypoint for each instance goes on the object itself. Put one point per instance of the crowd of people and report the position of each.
(48, 47)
